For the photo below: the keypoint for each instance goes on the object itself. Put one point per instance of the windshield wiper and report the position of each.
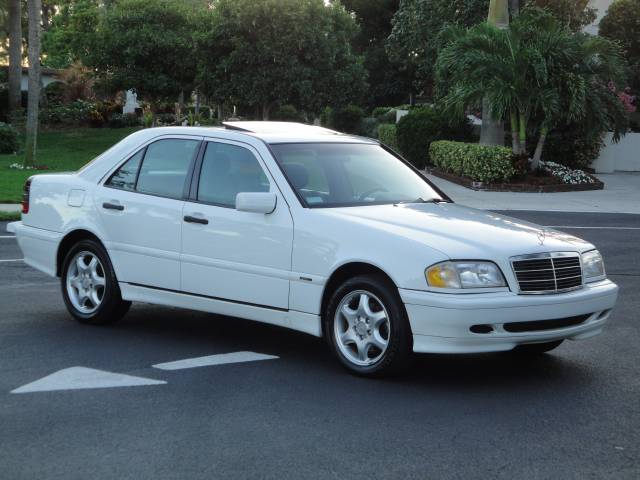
(420, 200)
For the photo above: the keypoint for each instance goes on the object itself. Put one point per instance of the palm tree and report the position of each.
(34, 12)
(492, 130)
(538, 74)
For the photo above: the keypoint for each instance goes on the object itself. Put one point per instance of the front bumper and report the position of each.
(441, 323)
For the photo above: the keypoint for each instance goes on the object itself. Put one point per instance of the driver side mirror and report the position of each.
(256, 202)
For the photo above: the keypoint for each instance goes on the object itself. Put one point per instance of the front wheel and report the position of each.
(366, 326)
(89, 286)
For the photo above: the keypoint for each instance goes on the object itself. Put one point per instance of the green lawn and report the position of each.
(60, 151)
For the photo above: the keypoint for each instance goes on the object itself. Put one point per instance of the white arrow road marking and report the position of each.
(221, 359)
(77, 378)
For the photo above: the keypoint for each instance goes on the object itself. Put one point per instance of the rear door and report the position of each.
(141, 205)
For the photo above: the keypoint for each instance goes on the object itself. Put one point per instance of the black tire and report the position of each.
(112, 308)
(537, 348)
(398, 354)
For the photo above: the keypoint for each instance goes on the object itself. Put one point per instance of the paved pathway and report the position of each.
(621, 194)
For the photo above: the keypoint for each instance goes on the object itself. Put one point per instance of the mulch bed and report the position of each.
(531, 183)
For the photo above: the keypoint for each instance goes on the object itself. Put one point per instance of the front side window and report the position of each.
(165, 167)
(226, 171)
(334, 174)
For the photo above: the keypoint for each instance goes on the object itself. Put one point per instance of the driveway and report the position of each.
(572, 414)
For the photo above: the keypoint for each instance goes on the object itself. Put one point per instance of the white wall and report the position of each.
(622, 156)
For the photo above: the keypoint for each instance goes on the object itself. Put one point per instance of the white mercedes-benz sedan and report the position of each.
(302, 227)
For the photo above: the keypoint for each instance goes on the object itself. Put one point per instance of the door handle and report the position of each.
(190, 219)
(112, 206)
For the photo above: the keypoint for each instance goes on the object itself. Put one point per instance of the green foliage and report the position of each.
(69, 114)
(326, 116)
(573, 14)
(413, 43)
(481, 163)
(147, 119)
(119, 120)
(288, 113)
(387, 135)
(537, 73)
(144, 46)
(8, 138)
(388, 85)
(369, 127)
(421, 126)
(573, 146)
(622, 24)
(347, 119)
(268, 52)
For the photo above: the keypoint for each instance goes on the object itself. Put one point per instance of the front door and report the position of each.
(230, 255)
(140, 209)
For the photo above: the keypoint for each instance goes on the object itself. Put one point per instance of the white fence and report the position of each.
(622, 156)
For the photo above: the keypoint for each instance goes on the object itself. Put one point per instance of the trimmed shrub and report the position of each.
(573, 146)
(387, 135)
(385, 114)
(288, 113)
(119, 120)
(369, 127)
(347, 119)
(326, 117)
(423, 125)
(481, 163)
(8, 138)
(74, 113)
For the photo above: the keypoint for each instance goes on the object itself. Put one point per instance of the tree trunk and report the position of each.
(522, 134)
(266, 109)
(220, 112)
(197, 105)
(492, 130)
(15, 56)
(537, 156)
(515, 134)
(34, 8)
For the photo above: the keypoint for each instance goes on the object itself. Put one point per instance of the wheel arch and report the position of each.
(343, 273)
(69, 240)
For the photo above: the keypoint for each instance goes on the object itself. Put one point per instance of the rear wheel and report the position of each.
(537, 348)
(89, 286)
(367, 328)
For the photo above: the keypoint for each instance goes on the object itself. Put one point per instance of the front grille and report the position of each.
(548, 272)
(539, 325)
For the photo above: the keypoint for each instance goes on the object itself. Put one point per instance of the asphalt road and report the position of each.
(572, 414)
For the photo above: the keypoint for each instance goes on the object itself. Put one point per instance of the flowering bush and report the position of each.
(566, 174)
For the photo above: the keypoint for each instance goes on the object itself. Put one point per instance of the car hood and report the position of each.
(462, 232)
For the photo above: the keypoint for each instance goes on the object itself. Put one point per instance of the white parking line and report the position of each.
(221, 359)
(592, 228)
(7, 236)
(13, 260)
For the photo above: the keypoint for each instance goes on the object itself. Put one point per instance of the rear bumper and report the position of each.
(38, 246)
(441, 322)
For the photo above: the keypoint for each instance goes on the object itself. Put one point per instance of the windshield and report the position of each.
(346, 174)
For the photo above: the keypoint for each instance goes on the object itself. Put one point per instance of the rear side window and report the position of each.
(165, 167)
(228, 170)
(125, 176)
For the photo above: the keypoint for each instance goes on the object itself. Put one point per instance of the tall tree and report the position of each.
(622, 24)
(573, 14)
(413, 42)
(34, 12)
(264, 53)
(388, 85)
(15, 55)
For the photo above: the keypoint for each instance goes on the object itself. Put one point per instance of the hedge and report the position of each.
(481, 163)
(8, 138)
(387, 135)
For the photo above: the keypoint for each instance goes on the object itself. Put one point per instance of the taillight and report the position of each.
(25, 195)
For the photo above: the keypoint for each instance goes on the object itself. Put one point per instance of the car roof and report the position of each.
(271, 132)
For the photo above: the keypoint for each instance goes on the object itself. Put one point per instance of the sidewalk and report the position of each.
(621, 194)
(10, 207)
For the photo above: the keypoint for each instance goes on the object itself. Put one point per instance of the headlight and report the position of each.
(592, 265)
(464, 275)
